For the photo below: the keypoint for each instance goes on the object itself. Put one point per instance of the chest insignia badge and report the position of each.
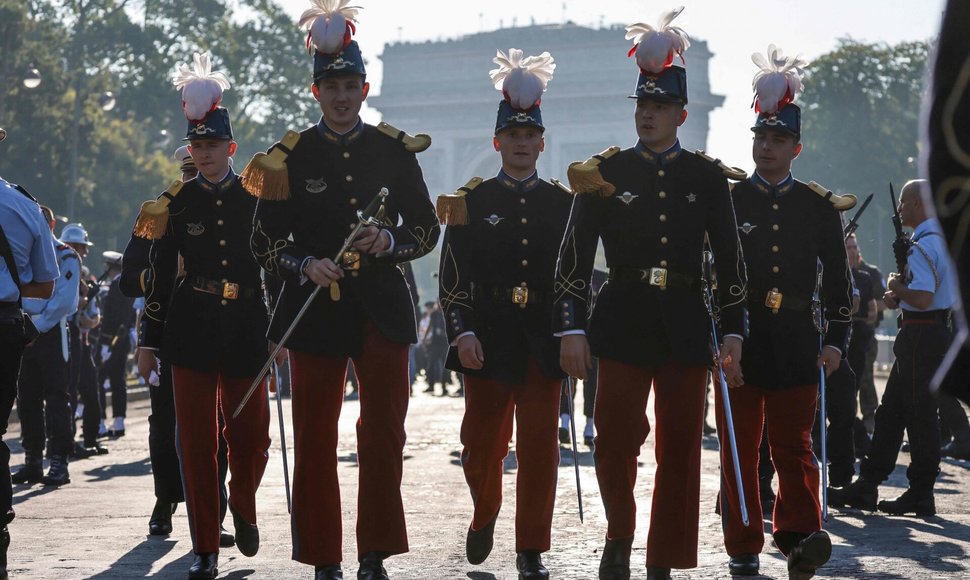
(747, 227)
(316, 185)
(195, 229)
(627, 197)
(691, 198)
(494, 219)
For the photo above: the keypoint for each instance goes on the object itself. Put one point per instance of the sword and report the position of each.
(825, 463)
(364, 218)
(279, 412)
(572, 426)
(853, 224)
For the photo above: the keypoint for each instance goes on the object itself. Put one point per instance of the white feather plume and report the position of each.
(655, 47)
(330, 24)
(201, 86)
(522, 80)
(778, 79)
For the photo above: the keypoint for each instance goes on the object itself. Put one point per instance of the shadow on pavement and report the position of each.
(482, 576)
(139, 561)
(136, 468)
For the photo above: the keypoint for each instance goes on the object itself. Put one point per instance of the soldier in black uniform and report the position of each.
(209, 327)
(118, 316)
(495, 285)
(332, 170)
(787, 229)
(652, 205)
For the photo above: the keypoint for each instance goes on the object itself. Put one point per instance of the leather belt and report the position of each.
(926, 317)
(227, 290)
(775, 300)
(520, 295)
(659, 277)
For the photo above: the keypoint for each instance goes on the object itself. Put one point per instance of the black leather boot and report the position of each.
(4, 544)
(160, 523)
(658, 573)
(372, 567)
(58, 474)
(205, 566)
(809, 555)
(923, 504)
(861, 494)
(478, 543)
(31, 472)
(247, 534)
(529, 564)
(615, 563)
(332, 572)
(744, 565)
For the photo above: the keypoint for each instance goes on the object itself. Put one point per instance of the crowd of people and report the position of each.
(754, 284)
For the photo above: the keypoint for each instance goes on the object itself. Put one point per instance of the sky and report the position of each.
(733, 30)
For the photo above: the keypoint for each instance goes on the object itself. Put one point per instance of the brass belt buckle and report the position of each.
(658, 277)
(350, 260)
(773, 300)
(520, 295)
(230, 291)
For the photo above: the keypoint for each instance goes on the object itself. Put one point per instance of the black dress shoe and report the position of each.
(205, 566)
(247, 534)
(332, 572)
(615, 563)
(31, 472)
(809, 555)
(58, 474)
(115, 433)
(478, 543)
(226, 539)
(84, 451)
(160, 523)
(372, 567)
(564, 436)
(921, 504)
(658, 573)
(530, 566)
(859, 494)
(744, 565)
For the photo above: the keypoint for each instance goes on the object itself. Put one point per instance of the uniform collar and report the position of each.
(927, 226)
(335, 138)
(220, 186)
(773, 190)
(664, 158)
(508, 182)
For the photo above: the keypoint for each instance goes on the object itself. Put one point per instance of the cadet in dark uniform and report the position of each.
(652, 205)
(787, 229)
(495, 285)
(925, 292)
(28, 269)
(332, 170)
(210, 327)
(118, 316)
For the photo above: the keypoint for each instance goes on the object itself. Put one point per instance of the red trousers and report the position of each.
(790, 413)
(622, 427)
(197, 398)
(486, 431)
(318, 393)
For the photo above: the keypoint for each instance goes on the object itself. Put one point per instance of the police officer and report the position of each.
(43, 399)
(495, 286)
(115, 342)
(210, 327)
(925, 293)
(28, 269)
(651, 205)
(364, 312)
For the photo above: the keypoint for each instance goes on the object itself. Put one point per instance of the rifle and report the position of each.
(902, 243)
(853, 224)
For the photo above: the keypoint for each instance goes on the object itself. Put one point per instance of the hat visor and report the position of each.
(501, 128)
(658, 97)
(783, 130)
(208, 138)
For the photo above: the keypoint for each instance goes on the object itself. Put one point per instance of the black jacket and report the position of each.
(512, 239)
(331, 177)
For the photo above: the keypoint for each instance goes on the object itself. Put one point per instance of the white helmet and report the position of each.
(75, 234)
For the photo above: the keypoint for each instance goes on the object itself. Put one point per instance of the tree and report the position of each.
(860, 128)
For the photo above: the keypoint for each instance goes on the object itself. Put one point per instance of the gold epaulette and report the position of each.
(153, 216)
(840, 202)
(266, 176)
(733, 173)
(562, 186)
(413, 143)
(452, 209)
(585, 176)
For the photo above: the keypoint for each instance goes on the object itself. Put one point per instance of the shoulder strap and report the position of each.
(926, 255)
(11, 264)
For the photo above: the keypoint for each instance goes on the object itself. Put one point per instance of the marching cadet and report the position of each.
(310, 188)
(495, 286)
(651, 205)
(166, 473)
(43, 397)
(925, 293)
(787, 228)
(210, 327)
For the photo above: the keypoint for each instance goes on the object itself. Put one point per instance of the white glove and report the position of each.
(105, 352)
(153, 379)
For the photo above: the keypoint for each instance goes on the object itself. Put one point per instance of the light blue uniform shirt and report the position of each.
(929, 265)
(46, 314)
(30, 240)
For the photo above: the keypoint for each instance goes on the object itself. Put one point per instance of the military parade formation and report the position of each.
(653, 266)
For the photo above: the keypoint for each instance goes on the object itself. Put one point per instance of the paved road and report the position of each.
(96, 527)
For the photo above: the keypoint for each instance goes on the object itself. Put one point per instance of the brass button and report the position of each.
(224, 302)
(224, 281)
(661, 173)
(663, 263)
(774, 206)
(352, 226)
(662, 194)
(525, 242)
(521, 305)
(522, 201)
(775, 249)
(220, 222)
(775, 269)
(663, 218)
(774, 228)
(349, 178)
(523, 284)
(346, 154)
(525, 263)
(353, 201)
(354, 273)
(222, 242)
(524, 221)
(218, 202)
(663, 240)
(225, 262)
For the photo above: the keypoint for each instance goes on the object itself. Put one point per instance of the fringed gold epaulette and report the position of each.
(585, 176)
(452, 209)
(413, 143)
(732, 173)
(840, 202)
(266, 176)
(562, 186)
(153, 217)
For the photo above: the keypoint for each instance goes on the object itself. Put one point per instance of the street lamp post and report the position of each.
(107, 102)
